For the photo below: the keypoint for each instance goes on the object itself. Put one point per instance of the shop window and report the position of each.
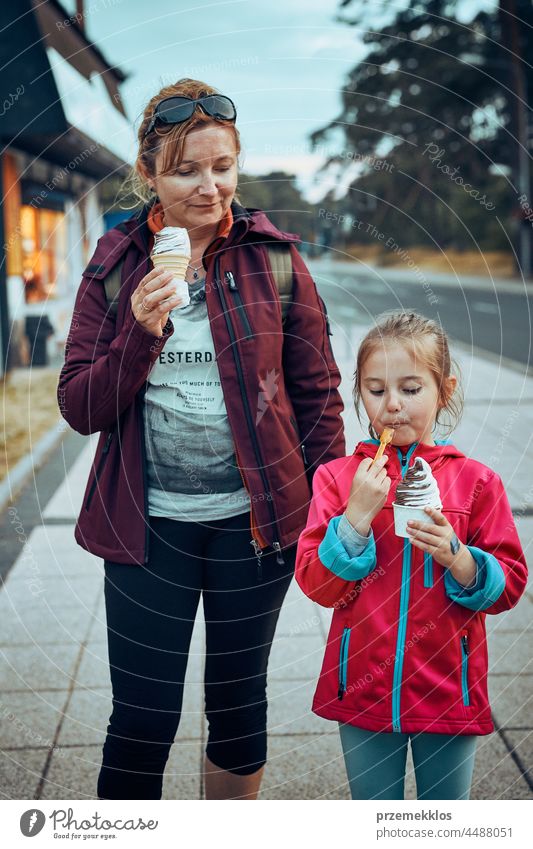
(44, 251)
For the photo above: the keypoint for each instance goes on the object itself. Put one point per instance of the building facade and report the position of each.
(64, 133)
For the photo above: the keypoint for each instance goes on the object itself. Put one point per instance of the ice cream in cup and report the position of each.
(417, 490)
(172, 251)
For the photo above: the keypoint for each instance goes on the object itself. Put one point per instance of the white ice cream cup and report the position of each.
(403, 514)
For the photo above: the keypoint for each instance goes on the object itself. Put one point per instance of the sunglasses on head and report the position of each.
(175, 110)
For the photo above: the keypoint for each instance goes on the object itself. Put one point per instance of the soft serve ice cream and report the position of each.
(417, 490)
(172, 251)
(172, 240)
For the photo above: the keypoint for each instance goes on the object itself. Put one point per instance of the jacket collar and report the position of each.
(434, 454)
(247, 223)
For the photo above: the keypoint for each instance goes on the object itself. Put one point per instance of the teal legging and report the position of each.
(375, 763)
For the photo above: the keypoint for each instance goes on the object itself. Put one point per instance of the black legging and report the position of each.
(150, 617)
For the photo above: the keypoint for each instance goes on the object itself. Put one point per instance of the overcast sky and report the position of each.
(283, 62)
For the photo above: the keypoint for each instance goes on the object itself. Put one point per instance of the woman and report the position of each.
(201, 480)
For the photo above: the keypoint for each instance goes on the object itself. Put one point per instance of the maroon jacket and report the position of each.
(279, 440)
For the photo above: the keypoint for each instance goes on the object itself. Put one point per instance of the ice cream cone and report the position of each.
(177, 264)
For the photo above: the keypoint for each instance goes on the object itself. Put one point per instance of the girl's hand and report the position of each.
(148, 300)
(435, 538)
(368, 493)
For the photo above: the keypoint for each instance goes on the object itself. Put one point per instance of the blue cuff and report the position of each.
(490, 582)
(354, 542)
(333, 555)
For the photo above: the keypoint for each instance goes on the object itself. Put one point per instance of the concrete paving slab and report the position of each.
(293, 658)
(30, 718)
(73, 776)
(484, 378)
(496, 775)
(53, 593)
(306, 766)
(39, 625)
(289, 709)
(511, 698)
(522, 744)
(98, 629)
(183, 774)
(519, 618)
(409, 791)
(76, 776)
(37, 667)
(20, 772)
(524, 526)
(511, 652)
(89, 710)
(298, 615)
(67, 500)
(52, 551)
(326, 615)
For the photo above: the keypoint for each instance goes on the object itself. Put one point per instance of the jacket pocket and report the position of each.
(428, 570)
(329, 331)
(464, 668)
(99, 468)
(343, 661)
(302, 446)
(239, 306)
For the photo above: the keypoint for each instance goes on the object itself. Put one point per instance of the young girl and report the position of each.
(406, 657)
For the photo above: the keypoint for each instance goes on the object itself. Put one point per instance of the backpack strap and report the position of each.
(279, 255)
(112, 287)
(280, 259)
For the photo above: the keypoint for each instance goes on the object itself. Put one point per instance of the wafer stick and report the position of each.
(384, 439)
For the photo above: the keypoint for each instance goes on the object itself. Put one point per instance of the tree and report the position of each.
(278, 195)
(432, 97)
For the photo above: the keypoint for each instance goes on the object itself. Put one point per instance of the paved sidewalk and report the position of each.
(55, 696)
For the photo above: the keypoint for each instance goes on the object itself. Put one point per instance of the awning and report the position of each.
(88, 108)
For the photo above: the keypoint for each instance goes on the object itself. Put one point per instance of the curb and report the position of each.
(496, 359)
(16, 479)
(498, 285)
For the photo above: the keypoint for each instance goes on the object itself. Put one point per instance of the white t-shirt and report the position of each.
(192, 468)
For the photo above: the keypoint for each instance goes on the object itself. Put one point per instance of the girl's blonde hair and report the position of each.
(169, 138)
(431, 347)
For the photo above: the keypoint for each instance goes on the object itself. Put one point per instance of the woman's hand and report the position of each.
(148, 302)
(368, 493)
(435, 538)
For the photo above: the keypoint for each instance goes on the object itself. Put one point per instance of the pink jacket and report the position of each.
(407, 649)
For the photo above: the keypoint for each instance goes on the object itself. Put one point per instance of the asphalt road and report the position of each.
(486, 316)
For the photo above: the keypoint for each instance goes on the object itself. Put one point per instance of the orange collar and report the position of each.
(156, 220)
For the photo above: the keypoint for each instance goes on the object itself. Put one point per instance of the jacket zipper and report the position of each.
(302, 445)
(144, 472)
(257, 539)
(258, 554)
(343, 661)
(99, 468)
(464, 667)
(404, 609)
(218, 285)
(328, 328)
(428, 569)
(241, 310)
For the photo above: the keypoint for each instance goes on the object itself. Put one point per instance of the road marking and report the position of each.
(481, 306)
